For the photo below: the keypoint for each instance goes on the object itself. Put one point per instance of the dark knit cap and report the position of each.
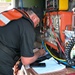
(38, 11)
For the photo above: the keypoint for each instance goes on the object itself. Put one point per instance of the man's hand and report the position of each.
(41, 52)
(15, 68)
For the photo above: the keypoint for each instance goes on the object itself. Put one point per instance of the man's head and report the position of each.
(35, 14)
(38, 11)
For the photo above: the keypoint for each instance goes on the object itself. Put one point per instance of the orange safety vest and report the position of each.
(13, 14)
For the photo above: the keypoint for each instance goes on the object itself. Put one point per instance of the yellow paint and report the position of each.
(63, 4)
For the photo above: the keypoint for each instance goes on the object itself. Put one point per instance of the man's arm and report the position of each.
(29, 60)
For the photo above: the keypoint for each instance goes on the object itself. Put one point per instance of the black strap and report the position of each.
(6, 50)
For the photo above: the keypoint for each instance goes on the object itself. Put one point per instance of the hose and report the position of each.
(68, 50)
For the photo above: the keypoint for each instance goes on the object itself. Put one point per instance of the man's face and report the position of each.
(33, 17)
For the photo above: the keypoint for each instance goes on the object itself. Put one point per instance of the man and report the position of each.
(17, 39)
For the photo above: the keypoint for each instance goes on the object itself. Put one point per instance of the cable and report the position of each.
(52, 27)
(53, 55)
(68, 49)
(47, 50)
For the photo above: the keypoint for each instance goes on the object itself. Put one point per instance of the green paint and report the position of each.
(8, 0)
(31, 3)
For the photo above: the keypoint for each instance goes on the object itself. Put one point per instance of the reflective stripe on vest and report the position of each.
(7, 16)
